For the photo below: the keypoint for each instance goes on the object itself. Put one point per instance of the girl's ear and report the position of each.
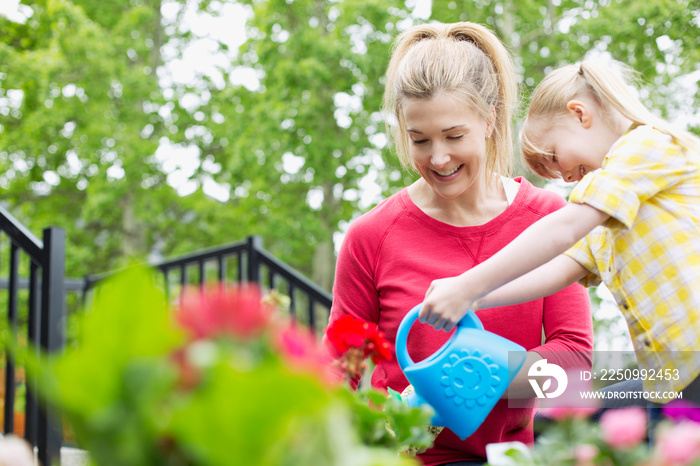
(581, 111)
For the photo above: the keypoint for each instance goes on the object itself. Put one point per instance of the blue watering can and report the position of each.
(465, 378)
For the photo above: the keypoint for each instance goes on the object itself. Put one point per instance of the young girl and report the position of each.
(632, 222)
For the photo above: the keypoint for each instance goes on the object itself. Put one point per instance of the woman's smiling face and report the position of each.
(447, 143)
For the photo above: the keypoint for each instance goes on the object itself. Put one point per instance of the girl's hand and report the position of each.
(446, 302)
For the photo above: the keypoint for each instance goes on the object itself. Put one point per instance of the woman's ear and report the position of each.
(581, 111)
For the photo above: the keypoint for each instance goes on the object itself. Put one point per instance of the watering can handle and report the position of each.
(404, 360)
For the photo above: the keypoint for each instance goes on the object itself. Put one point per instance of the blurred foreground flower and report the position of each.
(224, 311)
(570, 405)
(624, 428)
(619, 438)
(572, 437)
(221, 379)
(301, 350)
(678, 444)
(681, 410)
(586, 454)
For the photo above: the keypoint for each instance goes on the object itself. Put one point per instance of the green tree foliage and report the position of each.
(74, 152)
(85, 114)
(295, 144)
(88, 113)
(658, 38)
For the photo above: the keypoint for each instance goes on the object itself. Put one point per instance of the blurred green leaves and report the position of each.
(133, 400)
(386, 420)
(128, 321)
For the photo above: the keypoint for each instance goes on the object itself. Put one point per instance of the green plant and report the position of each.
(218, 379)
(618, 438)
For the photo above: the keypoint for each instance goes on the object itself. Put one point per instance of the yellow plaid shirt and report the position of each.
(648, 252)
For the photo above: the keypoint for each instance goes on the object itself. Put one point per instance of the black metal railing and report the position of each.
(44, 296)
(245, 261)
(43, 307)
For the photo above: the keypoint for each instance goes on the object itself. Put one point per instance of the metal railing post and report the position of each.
(254, 247)
(34, 323)
(9, 407)
(52, 334)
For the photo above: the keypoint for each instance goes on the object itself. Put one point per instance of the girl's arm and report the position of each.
(544, 281)
(448, 300)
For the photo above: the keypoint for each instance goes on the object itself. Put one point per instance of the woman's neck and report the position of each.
(480, 204)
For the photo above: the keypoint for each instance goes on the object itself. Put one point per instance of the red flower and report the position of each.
(354, 340)
(221, 311)
(348, 332)
(379, 348)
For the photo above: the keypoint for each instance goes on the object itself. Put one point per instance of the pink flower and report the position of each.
(679, 444)
(571, 404)
(585, 454)
(624, 428)
(221, 311)
(300, 349)
(679, 410)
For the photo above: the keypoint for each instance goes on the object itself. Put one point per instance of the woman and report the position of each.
(451, 90)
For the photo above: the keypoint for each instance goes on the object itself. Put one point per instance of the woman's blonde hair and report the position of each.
(609, 85)
(464, 59)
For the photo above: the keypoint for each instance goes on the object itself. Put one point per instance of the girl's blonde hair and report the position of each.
(608, 85)
(468, 61)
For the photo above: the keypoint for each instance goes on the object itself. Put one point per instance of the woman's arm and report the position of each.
(354, 291)
(520, 386)
(448, 300)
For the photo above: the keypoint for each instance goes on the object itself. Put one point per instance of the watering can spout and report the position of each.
(464, 379)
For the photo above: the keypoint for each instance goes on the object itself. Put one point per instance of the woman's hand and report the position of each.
(446, 302)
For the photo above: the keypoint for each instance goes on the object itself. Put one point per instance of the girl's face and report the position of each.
(447, 143)
(576, 143)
